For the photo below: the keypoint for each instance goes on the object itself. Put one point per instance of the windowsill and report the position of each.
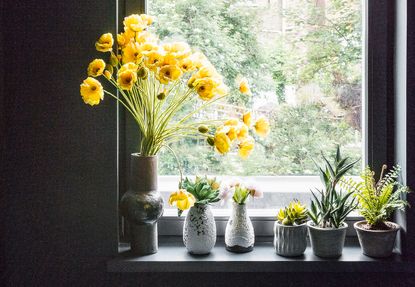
(173, 257)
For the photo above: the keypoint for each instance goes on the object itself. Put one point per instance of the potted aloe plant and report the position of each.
(377, 201)
(290, 230)
(329, 209)
(199, 229)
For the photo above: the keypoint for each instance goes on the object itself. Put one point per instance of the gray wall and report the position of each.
(58, 159)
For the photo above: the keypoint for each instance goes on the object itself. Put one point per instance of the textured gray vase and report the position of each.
(142, 205)
(327, 242)
(377, 243)
(199, 230)
(290, 240)
(239, 233)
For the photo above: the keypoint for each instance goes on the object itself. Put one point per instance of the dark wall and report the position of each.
(58, 160)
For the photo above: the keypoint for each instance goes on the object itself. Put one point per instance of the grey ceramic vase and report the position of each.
(142, 205)
(199, 230)
(377, 243)
(239, 232)
(290, 240)
(327, 242)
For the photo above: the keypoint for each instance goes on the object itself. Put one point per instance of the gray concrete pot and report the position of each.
(199, 230)
(327, 242)
(239, 232)
(290, 240)
(142, 205)
(376, 243)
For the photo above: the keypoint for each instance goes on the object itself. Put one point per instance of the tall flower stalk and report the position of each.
(156, 80)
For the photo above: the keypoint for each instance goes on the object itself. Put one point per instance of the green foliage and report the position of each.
(204, 189)
(241, 194)
(325, 52)
(293, 214)
(378, 200)
(331, 208)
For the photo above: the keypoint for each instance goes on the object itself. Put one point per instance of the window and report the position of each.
(303, 60)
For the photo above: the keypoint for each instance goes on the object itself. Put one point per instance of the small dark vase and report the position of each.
(142, 205)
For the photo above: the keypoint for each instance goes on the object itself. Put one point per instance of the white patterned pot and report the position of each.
(239, 233)
(290, 240)
(199, 230)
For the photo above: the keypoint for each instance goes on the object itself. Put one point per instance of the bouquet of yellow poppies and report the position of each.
(155, 80)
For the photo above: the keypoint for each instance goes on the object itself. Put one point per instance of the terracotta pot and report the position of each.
(327, 242)
(377, 243)
(142, 205)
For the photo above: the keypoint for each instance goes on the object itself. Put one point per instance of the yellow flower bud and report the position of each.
(203, 129)
(161, 96)
(113, 60)
(211, 141)
(107, 74)
(142, 73)
(222, 142)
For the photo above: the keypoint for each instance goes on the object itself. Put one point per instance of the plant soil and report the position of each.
(381, 226)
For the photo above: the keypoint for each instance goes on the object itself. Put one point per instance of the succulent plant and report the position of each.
(293, 214)
(204, 189)
(330, 209)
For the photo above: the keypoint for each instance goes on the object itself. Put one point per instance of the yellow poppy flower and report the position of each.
(104, 43)
(147, 19)
(232, 133)
(262, 127)
(134, 23)
(146, 37)
(244, 87)
(182, 199)
(96, 68)
(205, 88)
(169, 73)
(124, 38)
(247, 118)
(200, 60)
(148, 47)
(168, 60)
(178, 50)
(242, 131)
(129, 66)
(246, 147)
(131, 53)
(231, 122)
(152, 60)
(126, 79)
(222, 142)
(186, 65)
(92, 91)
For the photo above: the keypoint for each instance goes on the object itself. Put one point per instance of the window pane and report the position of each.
(303, 60)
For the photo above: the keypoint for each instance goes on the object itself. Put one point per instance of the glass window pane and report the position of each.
(303, 60)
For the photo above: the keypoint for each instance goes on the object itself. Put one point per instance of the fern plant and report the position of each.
(378, 200)
(204, 189)
(330, 208)
(293, 214)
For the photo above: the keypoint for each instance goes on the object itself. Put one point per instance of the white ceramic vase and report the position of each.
(239, 233)
(199, 230)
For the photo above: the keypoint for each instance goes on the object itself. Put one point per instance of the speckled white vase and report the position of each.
(199, 230)
(239, 233)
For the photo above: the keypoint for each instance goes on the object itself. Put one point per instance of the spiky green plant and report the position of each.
(293, 214)
(204, 189)
(330, 209)
(378, 200)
